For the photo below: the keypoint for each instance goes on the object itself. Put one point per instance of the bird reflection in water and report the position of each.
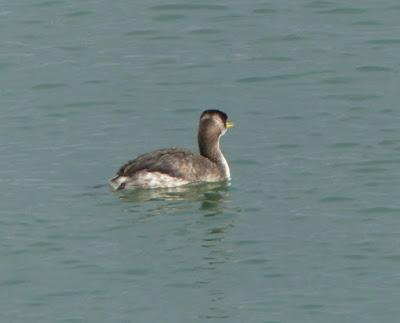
(208, 200)
(211, 197)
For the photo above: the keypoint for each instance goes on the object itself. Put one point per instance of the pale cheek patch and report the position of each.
(205, 117)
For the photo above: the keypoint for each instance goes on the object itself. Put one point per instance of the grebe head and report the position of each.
(213, 124)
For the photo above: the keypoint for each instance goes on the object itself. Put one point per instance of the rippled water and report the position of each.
(308, 230)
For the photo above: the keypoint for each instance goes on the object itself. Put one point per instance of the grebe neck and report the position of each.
(211, 150)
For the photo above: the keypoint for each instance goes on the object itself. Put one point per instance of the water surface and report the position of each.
(308, 230)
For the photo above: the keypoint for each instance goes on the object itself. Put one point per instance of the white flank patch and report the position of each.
(155, 180)
(145, 179)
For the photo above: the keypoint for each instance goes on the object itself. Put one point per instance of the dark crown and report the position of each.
(221, 114)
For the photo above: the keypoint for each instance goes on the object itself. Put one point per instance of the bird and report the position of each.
(173, 167)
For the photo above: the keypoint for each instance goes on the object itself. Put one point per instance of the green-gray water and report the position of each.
(309, 229)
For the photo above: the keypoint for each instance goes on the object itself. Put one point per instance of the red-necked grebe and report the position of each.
(173, 167)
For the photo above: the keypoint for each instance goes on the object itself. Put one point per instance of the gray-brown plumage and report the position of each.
(174, 167)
